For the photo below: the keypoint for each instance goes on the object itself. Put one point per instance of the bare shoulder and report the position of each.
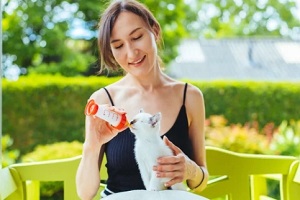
(194, 98)
(194, 92)
(100, 96)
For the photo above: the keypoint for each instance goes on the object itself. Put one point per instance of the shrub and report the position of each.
(248, 101)
(9, 156)
(47, 109)
(282, 140)
(238, 138)
(286, 139)
(54, 151)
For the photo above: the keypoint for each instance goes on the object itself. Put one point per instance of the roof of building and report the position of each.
(238, 59)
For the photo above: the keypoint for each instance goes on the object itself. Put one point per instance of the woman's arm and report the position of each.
(197, 176)
(97, 133)
(88, 177)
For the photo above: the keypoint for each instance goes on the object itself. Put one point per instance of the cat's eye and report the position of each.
(133, 121)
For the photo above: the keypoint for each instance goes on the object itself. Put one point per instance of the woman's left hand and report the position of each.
(174, 167)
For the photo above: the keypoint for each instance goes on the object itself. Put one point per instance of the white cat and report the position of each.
(148, 147)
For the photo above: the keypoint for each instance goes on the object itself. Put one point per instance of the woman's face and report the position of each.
(133, 44)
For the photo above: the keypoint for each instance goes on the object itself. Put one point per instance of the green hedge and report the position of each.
(48, 109)
(242, 102)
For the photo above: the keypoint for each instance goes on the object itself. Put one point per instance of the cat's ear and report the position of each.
(157, 116)
(141, 110)
(155, 119)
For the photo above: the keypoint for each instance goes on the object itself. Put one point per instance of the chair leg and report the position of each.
(32, 191)
(259, 186)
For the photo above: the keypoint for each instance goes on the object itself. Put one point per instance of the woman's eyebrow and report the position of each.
(132, 32)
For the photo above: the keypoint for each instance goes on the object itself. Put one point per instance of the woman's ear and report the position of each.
(156, 30)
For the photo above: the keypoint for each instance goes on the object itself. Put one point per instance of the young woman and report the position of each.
(129, 36)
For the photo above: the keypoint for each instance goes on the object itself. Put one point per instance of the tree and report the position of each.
(232, 18)
(40, 33)
(35, 31)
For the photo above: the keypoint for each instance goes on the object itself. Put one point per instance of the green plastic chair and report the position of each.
(7, 183)
(244, 176)
(235, 175)
(27, 177)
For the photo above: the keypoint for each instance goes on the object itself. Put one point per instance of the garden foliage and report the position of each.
(248, 138)
(8, 155)
(48, 109)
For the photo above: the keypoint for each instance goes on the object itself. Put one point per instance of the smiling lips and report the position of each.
(138, 61)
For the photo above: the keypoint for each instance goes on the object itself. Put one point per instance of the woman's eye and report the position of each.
(119, 46)
(136, 38)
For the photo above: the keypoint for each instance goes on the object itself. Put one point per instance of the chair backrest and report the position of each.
(30, 175)
(293, 181)
(234, 172)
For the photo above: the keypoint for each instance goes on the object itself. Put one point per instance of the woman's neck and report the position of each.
(147, 83)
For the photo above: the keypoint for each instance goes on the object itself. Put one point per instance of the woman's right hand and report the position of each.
(98, 131)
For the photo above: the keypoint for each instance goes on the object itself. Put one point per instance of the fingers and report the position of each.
(171, 160)
(98, 130)
(169, 174)
(174, 176)
(172, 167)
(169, 164)
(117, 110)
(173, 181)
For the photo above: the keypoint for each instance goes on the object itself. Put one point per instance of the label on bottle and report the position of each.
(111, 117)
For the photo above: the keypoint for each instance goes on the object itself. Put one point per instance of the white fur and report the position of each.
(148, 147)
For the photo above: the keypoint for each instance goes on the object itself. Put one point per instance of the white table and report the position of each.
(154, 195)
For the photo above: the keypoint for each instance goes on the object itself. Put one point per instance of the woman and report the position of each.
(128, 38)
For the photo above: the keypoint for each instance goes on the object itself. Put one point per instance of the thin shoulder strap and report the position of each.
(111, 101)
(184, 93)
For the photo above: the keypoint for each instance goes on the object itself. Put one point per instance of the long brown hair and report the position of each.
(107, 22)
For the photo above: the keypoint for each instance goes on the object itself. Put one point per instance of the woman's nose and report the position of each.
(131, 51)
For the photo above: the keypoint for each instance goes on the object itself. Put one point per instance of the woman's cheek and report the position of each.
(118, 56)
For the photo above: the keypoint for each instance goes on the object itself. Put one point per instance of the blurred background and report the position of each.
(59, 36)
(243, 54)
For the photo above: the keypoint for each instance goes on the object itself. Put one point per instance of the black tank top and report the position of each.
(122, 169)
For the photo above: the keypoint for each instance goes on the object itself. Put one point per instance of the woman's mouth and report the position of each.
(137, 62)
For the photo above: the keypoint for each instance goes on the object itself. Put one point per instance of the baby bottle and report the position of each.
(119, 121)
